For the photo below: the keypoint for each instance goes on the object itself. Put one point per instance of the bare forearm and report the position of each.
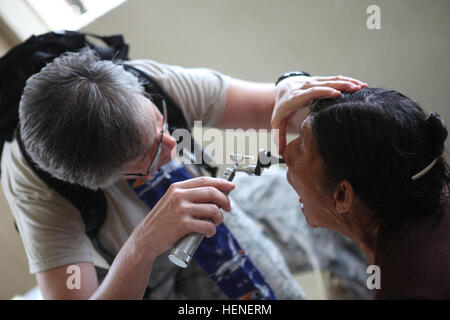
(249, 105)
(128, 275)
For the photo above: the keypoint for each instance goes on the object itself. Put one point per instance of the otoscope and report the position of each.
(185, 248)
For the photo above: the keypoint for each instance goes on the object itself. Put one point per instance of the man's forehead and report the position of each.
(147, 102)
(154, 116)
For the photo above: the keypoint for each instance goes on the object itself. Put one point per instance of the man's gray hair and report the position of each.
(81, 119)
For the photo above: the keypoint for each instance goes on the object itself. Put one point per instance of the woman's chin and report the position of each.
(309, 221)
(311, 224)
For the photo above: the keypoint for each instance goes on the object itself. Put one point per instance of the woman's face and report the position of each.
(303, 174)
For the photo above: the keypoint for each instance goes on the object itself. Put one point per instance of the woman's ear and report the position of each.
(343, 196)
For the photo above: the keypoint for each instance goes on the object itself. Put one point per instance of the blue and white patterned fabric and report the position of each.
(221, 257)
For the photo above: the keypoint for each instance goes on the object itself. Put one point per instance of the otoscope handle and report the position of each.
(183, 251)
(185, 248)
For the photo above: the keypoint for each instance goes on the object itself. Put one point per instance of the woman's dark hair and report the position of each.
(377, 140)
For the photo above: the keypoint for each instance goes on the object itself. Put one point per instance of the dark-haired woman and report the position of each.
(369, 164)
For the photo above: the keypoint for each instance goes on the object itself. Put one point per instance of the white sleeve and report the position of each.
(51, 228)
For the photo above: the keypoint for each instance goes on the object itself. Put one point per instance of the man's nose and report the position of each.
(169, 141)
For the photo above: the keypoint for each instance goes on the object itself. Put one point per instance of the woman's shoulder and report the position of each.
(414, 256)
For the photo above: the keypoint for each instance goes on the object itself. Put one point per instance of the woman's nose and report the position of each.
(288, 152)
(286, 155)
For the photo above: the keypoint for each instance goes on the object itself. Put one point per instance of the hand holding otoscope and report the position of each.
(185, 248)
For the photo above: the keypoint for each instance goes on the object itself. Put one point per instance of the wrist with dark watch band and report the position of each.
(292, 74)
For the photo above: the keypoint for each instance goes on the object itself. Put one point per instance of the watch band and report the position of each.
(292, 74)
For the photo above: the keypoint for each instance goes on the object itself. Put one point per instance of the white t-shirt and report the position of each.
(52, 229)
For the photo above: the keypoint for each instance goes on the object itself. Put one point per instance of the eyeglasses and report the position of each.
(158, 151)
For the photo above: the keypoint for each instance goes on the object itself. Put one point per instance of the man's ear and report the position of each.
(343, 196)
